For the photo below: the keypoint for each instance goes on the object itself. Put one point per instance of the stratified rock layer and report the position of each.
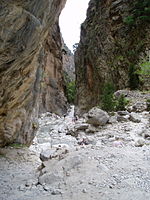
(24, 26)
(108, 48)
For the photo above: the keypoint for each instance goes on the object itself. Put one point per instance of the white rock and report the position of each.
(84, 190)
(139, 142)
(134, 117)
(99, 143)
(82, 126)
(113, 119)
(47, 154)
(56, 192)
(49, 178)
(91, 129)
(60, 151)
(118, 143)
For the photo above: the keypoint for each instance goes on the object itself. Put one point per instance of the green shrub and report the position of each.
(140, 13)
(129, 20)
(107, 101)
(144, 69)
(71, 91)
(121, 102)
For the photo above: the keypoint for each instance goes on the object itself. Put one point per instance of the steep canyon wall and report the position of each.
(113, 40)
(52, 96)
(24, 28)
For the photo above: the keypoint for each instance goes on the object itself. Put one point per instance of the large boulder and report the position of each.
(97, 117)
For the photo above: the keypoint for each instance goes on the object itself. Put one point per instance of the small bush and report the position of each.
(121, 103)
(71, 91)
(144, 69)
(129, 20)
(107, 101)
(140, 13)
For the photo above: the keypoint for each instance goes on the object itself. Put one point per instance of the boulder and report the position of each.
(91, 129)
(139, 107)
(50, 178)
(122, 118)
(53, 153)
(113, 119)
(47, 154)
(139, 142)
(135, 118)
(97, 117)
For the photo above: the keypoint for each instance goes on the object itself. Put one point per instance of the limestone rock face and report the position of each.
(109, 47)
(68, 63)
(52, 84)
(24, 27)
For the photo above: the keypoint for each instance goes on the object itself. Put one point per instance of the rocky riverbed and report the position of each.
(72, 159)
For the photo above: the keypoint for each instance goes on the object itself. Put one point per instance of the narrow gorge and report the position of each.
(75, 125)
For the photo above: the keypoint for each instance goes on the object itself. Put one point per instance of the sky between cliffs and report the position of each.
(71, 18)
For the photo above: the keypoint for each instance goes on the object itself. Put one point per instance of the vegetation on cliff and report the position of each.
(71, 91)
(114, 37)
(140, 13)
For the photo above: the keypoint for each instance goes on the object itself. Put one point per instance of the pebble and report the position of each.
(139, 142)
(118, 143)
(84, 191)
(56, 192)
(22, 188)
(46, 188)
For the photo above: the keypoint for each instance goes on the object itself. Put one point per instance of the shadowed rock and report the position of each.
(24, 26)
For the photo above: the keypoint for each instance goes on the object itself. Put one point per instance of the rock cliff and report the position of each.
(24, 26)
(68, 63)
(114, 38)
(52, 84)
